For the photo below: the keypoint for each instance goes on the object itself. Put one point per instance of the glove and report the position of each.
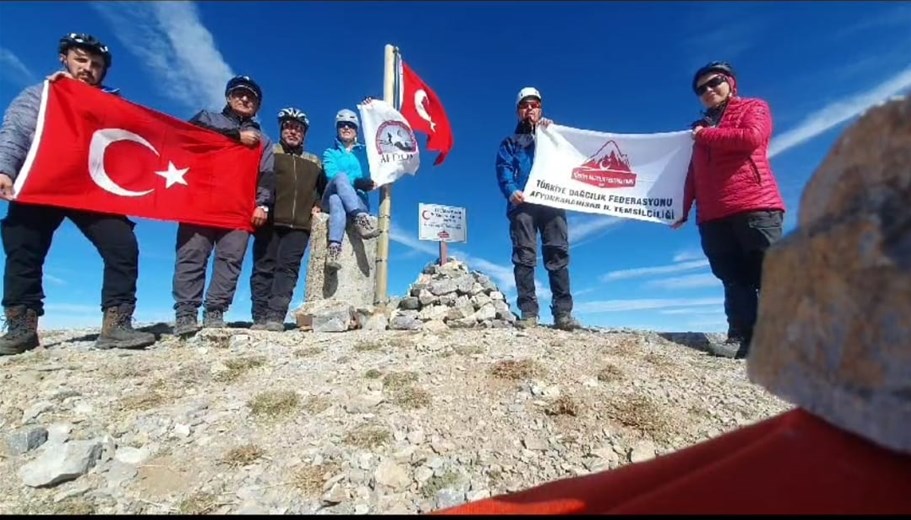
(363, 184)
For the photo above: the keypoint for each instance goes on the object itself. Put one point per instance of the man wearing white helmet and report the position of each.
(348, 177)
(279, 245)
(513, 165)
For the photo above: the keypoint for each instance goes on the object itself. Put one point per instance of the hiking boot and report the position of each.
(259, 320)
(734, 347)
(213, 319)
(333, 256)
(527, 322)
(185, 324)
(22, 331)
(365, 226)
(117, 330)
(275, 322)
(566, 322)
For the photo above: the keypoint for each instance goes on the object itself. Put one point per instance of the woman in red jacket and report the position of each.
(738, 203)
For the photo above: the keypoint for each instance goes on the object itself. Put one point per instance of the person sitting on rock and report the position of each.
(348, 177)
(279, 245)
(739, 206)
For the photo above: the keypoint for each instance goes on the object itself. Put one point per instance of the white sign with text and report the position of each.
(442, 223)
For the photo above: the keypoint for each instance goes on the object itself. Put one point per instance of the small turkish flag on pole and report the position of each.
(425, 113)
(99, 152)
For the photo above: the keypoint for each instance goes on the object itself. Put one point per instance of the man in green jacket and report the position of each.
(279, 245)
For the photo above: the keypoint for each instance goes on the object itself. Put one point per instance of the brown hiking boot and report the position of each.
(213, 319)
(566, 322)
(365, 226)
(117, 330)
(333, 255)
(527, 322)
(22, 331)
(185, 324)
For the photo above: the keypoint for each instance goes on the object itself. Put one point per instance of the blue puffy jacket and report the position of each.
(353, 163)
(514, 160)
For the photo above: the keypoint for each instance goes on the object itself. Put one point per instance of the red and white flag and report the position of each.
(99, 152)
(424, 112)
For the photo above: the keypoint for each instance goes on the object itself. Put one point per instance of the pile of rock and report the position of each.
(450, 295)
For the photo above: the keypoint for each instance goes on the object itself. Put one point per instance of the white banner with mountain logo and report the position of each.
(392, 149)
(635, 176)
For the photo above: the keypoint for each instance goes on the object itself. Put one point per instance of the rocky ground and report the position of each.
(240, 421)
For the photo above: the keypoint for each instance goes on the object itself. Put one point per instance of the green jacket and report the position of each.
(299, 185)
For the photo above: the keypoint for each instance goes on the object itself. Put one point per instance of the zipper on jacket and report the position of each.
(756, 171)
(294, 199)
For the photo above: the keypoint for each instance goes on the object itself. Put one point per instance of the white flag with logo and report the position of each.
(392, 149)
(635, 176)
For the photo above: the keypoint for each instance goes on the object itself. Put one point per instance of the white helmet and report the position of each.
(528, 92)
(347, 115)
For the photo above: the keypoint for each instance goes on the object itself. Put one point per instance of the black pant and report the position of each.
(277, 255)
(27, 231)
(735, 247)
(524, 224)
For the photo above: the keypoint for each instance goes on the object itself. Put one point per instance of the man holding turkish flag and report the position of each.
(425, 113)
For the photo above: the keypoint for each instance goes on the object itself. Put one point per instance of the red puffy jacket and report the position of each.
(729, 172)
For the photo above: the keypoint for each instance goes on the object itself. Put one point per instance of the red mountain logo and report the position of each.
(607, 168)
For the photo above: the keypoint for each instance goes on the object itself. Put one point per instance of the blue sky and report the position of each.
(612, 66)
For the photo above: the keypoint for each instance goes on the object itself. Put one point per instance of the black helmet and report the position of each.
(87, 42)
(715, 66)
(244, 82)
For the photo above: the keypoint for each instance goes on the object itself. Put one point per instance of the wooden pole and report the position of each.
(444, 252)
(385, 212)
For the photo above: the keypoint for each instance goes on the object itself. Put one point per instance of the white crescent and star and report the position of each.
(419, 97)
(105, 137)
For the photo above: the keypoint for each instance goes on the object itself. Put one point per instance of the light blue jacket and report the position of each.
(338, 159)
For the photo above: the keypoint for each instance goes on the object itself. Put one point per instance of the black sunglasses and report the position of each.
(346, 124)
(712, 83)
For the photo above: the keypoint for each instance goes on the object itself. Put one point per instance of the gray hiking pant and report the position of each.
(194, 244)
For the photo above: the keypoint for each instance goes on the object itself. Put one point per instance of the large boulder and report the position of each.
(834, 328)
(355, 282)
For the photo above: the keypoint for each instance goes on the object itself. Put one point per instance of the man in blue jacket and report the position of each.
(243, 98)
(514, 161)
(28, 229)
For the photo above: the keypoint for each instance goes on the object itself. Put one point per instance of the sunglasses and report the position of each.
(347, 125)
(530, 104)
(710, 84)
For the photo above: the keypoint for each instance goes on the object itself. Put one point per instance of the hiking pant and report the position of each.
(277, 255)
(194, 244)
(525, 222)
(27, 231)
(343, 202)
(735, 247)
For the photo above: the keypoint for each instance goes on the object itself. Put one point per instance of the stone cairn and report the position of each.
(443, 297)
(451, 296)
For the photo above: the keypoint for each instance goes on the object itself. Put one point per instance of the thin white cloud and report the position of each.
(170, 39)
(691, 281)
(689, 254)
(54, 280)
(839, 112)
(693, 310)
(590, 227)
(14, 70)
(638, 272)
(602, 306)
(397, 234)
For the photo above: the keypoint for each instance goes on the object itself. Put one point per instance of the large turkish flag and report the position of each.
(99, 152)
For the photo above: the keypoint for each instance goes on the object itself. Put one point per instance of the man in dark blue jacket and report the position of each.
(526, 220)
(28, 229)
(243, 98)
